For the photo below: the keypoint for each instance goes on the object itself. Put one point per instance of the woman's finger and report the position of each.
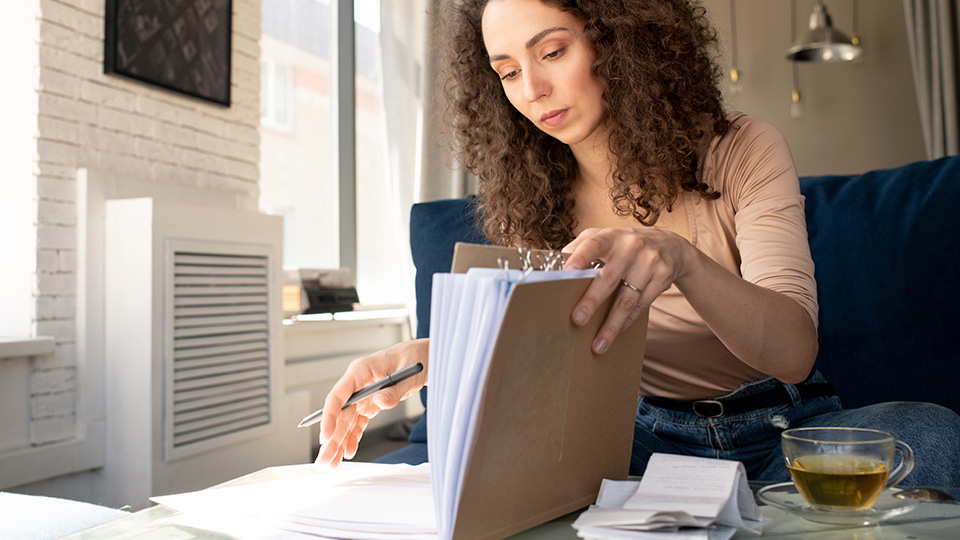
(627, 307)
(358, 374)
(624, 304)
(330, 448)
(352, 442)
(331, 461)
(587, 248)
(616, 251)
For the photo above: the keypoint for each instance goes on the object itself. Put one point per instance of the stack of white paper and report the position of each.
(687, 497)
(357, 501)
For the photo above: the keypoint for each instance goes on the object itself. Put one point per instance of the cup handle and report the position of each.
(904, 467)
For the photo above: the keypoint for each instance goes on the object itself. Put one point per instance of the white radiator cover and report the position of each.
(217, 344)
(194, 357)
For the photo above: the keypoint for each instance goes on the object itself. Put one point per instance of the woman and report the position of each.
(597, 128)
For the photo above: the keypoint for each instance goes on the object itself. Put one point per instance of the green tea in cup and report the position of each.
(844, 468)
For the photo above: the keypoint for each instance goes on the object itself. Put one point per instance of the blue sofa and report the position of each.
(888, 280)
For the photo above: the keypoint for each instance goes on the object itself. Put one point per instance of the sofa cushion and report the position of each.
(434, 229)
(887, 255)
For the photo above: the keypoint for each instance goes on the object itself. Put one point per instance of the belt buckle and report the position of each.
(703, 408)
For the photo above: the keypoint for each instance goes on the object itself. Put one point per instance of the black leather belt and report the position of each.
(714, 408)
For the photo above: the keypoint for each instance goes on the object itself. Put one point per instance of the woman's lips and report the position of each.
(553, 118)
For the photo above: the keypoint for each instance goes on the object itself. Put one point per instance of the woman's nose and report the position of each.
(535, 85)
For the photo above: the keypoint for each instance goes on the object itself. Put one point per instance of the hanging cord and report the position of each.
(793, 21)
(735, 87)
(795, 109)
(856, 23)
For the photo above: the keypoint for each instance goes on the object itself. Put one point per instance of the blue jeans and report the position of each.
(932, 431)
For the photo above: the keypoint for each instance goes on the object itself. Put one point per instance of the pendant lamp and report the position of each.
(822, 42)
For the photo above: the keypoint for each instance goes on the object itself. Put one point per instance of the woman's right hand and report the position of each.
(340, 431)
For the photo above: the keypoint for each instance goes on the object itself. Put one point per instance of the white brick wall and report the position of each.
(52, 403)
(51, 381)
(124, 128)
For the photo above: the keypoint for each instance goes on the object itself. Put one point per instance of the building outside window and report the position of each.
(297, 178)
(276, 95)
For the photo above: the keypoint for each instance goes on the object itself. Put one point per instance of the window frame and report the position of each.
(344, 127)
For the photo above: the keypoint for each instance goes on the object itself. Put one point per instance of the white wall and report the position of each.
(17, 148)
(859, 115)
(85, 119)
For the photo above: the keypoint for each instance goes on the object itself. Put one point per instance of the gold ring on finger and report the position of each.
(631, 287)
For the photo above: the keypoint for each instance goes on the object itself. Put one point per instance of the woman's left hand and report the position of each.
(638, 265)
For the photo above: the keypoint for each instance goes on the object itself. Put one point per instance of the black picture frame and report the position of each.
(180, 45)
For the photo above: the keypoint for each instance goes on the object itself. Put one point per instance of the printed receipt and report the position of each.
(709, 489)
(676, 493)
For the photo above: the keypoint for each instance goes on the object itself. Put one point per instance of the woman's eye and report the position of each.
(510, 75)
(554, 54)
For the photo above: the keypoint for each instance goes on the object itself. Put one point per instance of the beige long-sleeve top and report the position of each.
(756, 230)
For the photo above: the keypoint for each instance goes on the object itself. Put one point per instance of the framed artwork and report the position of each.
(180, 45)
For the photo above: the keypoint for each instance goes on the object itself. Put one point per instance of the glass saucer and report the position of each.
(786, 497)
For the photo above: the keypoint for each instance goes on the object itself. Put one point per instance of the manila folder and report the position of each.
(555, 419)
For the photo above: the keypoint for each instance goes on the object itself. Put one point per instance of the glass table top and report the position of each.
(926, 521)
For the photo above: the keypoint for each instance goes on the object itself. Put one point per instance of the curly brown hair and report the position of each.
(655, 58)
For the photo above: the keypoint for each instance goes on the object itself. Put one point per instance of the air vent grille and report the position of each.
(221, 376)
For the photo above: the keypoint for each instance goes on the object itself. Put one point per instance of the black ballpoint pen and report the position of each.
(368, 391)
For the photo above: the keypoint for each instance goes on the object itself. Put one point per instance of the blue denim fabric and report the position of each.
(932, 431)
(413, 454)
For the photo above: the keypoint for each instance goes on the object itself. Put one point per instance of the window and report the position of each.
(380, 253)
(296, 179)
(276, 95)
(299, 179)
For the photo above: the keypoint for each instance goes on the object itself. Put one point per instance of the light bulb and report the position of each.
(796, 109)
(735, 86)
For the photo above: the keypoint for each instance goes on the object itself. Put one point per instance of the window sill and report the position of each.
(355, 333)
(20, 347)
(361, 313)
(22, 463)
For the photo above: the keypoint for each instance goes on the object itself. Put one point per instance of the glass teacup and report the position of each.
(844, 468)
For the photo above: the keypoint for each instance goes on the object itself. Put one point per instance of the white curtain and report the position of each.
(933, 32)
(402, 43)
(401, 59)
(439, 178)
(418, 165)
(416, 135)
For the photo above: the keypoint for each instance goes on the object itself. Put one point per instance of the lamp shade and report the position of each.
(823, 43)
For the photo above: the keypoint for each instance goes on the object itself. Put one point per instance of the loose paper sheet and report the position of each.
(714, 489)
(362, 501)
(688, 496)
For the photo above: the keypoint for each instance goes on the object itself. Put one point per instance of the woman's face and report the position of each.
(545, 61)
